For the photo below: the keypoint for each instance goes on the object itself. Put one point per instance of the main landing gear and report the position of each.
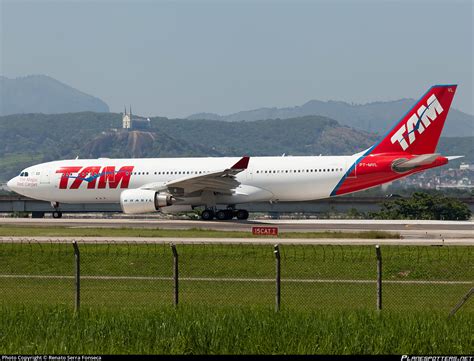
(224, 214)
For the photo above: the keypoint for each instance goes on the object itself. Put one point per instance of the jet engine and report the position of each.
(135, 201)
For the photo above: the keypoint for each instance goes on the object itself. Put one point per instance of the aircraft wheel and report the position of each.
(222, 215)
(242, 214)
(229, 213)
(57, 214)
(207, 215)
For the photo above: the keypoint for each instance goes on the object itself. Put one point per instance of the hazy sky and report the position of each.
(175, 58)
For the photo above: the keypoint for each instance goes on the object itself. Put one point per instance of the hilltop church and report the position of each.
(134, 123)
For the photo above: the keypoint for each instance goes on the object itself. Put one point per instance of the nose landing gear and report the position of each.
(57, 213)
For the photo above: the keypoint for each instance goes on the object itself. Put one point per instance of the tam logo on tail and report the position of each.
(418, 131)
(417, 122)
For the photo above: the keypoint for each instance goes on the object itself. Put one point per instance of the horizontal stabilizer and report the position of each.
(417, 161)
(453, 157)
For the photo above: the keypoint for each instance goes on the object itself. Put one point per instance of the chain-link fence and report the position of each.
(306, 277)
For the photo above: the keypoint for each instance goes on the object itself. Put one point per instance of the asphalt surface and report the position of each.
(407, 229)
(261, 240)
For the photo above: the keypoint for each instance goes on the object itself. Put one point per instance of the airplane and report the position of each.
(219, 184)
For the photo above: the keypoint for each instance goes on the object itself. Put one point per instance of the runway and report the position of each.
(407, 229)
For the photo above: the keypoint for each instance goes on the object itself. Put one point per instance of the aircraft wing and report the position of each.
(222, 181)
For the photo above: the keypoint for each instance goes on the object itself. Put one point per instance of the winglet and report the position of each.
(242, 163)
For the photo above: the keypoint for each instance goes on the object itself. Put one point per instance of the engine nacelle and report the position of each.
(135, 201)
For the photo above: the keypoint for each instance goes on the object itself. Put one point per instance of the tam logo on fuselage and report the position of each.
(419, 121)
(95, 177)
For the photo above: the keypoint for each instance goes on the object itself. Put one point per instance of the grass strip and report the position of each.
(245, 330)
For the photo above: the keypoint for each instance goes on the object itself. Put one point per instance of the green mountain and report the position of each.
(43, 94)
(311, 135)
(27, 139)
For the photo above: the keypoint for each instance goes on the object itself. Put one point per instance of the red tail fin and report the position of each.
(419, 130)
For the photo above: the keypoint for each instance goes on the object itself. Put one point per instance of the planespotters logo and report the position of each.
(419, 121)
(437, 358)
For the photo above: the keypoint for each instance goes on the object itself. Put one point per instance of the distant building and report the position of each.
(127, 119)
(133, 123)
(466, 166)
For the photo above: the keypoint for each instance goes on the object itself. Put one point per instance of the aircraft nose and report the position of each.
(12, 184)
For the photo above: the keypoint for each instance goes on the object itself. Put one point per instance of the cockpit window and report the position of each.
(26, 174)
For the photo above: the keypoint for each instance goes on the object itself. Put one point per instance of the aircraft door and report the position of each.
(45, 177)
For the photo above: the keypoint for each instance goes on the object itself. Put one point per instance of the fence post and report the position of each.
(462, 302)
(77, 257)
(379, 277)
(278, 277)
(175, 274)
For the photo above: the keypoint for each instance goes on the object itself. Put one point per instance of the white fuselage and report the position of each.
(285, 178)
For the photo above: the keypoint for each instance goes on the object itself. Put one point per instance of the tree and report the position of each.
(424, 206)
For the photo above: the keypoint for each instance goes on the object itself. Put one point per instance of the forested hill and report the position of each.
(32, 138)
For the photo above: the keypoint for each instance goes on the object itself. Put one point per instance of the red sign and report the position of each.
(265, 231)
